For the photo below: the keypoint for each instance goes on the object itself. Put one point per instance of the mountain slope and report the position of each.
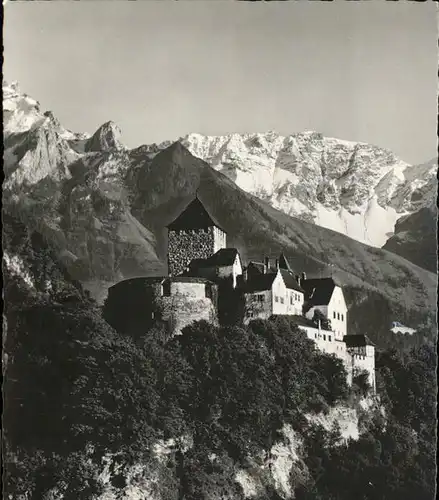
(103, 213)
(415, 238)
(354, 188)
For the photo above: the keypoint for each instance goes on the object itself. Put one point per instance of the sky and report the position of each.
(362, 71)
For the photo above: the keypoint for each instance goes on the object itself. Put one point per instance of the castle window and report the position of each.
(329, 338)
(334, 315)
(166, 288)
(338, 315)
(281, 300)
(324, 337)
(342, 317)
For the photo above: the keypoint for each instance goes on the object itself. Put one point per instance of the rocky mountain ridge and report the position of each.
(354, 188)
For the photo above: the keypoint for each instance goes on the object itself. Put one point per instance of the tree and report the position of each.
(319, 317)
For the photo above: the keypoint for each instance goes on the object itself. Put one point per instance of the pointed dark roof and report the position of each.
(290, 281)
(194, 216)
(284, 264)
(259, 283)
(357, 341)
(255, 267)
(318, 292)
(223, 257)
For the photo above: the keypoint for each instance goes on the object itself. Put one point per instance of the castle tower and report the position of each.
(194, 234)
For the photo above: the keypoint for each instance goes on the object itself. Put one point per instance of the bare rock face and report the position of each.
(106, 138)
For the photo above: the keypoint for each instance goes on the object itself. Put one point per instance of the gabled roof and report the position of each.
(223, 257)
(284, 264)
(255, 267)
(290, 281)
(259, 283)
(194, 216)
(357, 341)
(257, 270)
(318, 292)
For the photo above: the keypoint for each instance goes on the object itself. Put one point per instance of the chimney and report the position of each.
(266, 265)
(303, 276)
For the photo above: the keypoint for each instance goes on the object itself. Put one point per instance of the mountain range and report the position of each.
(357, 189)
(102, 208)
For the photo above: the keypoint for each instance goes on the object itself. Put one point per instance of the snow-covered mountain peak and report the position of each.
(20, 112)
(351, 187)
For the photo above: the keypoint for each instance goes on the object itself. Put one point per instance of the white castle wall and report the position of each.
(364, 359)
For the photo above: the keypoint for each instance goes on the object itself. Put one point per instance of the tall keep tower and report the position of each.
(194, 234)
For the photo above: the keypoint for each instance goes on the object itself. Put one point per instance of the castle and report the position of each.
(207, 281)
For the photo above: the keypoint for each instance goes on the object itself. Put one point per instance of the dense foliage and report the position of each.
(76, 390)
(396, 457)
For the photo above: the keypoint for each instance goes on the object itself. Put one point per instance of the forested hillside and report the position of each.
(213, 413)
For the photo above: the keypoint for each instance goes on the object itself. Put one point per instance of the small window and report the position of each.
(329, 338)
(291, 300)
(342, 317)
(324, 337)
(338, 315)
(281, 300)
(166, 288)
(276, 298)
(315, 335)
(334, 315)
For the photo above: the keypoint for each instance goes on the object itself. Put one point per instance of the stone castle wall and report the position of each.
(364, 361)
(183, 246)
(135, 306)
